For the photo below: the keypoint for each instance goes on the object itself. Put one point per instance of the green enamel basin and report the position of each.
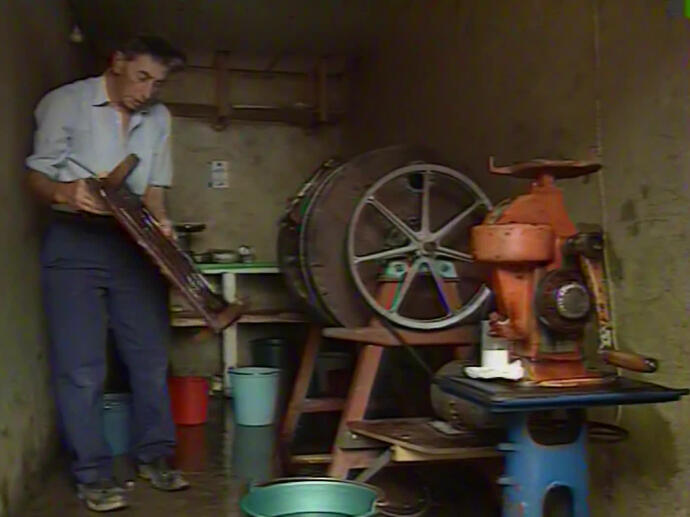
(311, 497)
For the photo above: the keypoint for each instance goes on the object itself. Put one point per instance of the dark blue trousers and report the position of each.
(95, 277)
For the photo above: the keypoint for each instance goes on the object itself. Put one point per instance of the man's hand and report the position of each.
(167, 229)
(79, 196)
(154, 200)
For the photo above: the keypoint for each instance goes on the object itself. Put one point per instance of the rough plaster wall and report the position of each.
(518, 79)
(512, 79)
(645, 113)
(268, 163)
(34, 56)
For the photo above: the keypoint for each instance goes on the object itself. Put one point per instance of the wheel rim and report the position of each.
(419, 250)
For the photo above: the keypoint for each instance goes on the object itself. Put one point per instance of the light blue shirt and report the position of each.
(77, 121)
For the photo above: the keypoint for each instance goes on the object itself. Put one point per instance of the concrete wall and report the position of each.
(473, 79)
(34, 56)
(645, 116)
(523, 79)
(267, 164)
(267, 161)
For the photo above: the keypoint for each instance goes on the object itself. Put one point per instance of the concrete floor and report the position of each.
(220, 459)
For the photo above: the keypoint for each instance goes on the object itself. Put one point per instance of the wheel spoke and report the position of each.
(429, 241)
(394, 219)
(386, 254)
(405, 287)
(438, 280)
(426, 217)
(442, 251)
(448, 227)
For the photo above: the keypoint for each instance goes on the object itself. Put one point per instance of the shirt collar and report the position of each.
(100, 95)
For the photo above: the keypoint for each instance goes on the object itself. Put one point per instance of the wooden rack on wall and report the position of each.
(223, 112)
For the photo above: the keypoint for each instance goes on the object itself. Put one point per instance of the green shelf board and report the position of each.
(221, 268)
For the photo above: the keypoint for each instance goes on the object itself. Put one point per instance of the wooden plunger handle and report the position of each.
(630, 361)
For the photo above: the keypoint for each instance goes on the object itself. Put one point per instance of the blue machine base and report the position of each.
(548, 468)
(544, 479)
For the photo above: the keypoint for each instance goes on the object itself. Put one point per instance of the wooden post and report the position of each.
(321, 90)
(301, 385)
(223, 107)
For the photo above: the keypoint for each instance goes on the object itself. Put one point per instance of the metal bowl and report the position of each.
(189, 227)
(202, 257)
(225, 256)
(312, 497)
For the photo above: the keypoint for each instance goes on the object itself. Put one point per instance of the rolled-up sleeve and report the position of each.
(162, 168)
(52, 136)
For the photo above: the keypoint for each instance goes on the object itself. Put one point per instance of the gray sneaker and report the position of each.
(102, 496)
(162, 476)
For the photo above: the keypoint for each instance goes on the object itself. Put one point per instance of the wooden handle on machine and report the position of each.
(630, 361)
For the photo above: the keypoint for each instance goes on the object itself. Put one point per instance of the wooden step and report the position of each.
(418, 435)
(311, 459)
(323, 405)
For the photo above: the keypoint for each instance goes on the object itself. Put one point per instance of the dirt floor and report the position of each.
(221, 460)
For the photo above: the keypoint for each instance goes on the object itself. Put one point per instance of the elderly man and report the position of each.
(94, 277)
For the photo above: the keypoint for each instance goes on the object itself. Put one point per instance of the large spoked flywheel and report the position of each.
(412, 227)
(390, 213)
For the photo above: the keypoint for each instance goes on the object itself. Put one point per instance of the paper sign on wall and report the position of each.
(219, 174)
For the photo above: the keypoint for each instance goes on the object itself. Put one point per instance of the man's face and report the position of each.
(138, 80)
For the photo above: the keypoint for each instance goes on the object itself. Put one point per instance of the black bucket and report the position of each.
(277, 352)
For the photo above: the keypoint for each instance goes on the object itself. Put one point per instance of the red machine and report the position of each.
(547, 279)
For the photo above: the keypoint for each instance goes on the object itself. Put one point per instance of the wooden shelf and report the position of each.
(177, 321)
(417, 435)
(307, 116)
(462, 335)
(284, 317)
(311, 459)
(323, 405)
(359, 459)
(239, 268)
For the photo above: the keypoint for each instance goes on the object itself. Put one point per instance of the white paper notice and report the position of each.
(219, 174)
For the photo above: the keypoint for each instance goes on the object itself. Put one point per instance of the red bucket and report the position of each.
(188, 400)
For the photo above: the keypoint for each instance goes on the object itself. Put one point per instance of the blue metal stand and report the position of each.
(539, 475)
(546, 468)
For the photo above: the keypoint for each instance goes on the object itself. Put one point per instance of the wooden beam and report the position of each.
(404, 455)
(223, 107)
(322, 90)
(311, 459)
(273, 62)
(189, 110)
(462, 335)
(266, 73)
(323, 405)
(288, 115)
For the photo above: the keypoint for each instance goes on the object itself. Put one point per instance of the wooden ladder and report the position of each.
(351, 450)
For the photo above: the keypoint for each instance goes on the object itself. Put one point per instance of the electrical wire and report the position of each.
(402, 342)
(601, 183)
(600, 432)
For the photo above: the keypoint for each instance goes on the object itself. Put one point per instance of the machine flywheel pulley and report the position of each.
(392, 217)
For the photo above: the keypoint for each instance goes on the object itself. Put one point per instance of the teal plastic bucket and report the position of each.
(255, 394)
(117, 408)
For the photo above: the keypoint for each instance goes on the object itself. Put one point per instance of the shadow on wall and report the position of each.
(647, 459)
